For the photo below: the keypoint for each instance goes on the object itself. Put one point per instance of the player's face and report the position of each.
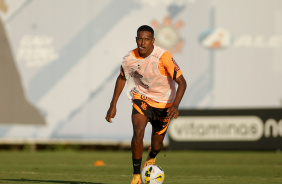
(145, 43)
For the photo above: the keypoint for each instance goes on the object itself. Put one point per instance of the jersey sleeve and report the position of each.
(168, 66)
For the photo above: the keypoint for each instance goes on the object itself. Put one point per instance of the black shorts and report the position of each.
(157, 117)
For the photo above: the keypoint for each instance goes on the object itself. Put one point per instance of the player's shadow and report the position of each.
(48, 181)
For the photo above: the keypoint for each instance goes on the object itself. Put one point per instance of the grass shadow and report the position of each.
(49, 181)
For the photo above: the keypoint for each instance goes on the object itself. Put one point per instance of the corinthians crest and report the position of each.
(167, 35)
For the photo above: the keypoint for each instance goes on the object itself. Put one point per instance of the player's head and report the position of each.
(146, 28)
(145, 40)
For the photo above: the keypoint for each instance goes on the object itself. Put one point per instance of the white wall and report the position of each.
(68, 55)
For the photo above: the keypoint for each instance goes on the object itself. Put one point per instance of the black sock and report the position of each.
(153, 155)
(136, 165)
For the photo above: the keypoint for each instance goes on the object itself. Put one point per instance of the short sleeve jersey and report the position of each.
(166, 67)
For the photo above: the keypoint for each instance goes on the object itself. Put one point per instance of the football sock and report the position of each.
(152, 155)
(136, 165)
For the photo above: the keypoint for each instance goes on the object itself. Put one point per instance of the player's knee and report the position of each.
(138, 134)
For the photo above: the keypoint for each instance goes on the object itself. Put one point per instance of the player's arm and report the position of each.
(173, 110)
(120, 82)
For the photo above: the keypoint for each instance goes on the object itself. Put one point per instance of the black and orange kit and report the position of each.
(157, 116)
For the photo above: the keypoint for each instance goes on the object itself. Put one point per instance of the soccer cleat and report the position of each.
(136, 179)
(149, 160)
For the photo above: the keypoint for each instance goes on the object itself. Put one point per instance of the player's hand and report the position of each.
(111, 113)
(173, 112)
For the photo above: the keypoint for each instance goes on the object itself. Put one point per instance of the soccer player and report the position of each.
(151, 74)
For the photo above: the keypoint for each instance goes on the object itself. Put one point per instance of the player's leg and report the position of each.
(160, 124)
(156, 143)
(139, 123)
(156, 147)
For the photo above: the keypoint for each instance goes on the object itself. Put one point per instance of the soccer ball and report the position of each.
(152, 174)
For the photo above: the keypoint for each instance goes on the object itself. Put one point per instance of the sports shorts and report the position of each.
(158, 117)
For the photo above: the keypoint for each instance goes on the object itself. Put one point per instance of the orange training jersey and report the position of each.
(151, 78)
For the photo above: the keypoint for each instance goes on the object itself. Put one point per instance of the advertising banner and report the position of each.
(259, 129)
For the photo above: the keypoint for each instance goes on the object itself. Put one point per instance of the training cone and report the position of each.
(99, 163)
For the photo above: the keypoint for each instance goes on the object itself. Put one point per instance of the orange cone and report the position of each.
(99, 163)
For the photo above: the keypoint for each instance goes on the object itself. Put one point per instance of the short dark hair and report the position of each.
(146, 28)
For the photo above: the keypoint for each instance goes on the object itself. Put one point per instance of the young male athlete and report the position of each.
(151, 73)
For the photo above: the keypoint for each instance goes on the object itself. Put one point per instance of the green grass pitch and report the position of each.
(181, 167)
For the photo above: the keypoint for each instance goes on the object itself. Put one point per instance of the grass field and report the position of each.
(181, 167)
